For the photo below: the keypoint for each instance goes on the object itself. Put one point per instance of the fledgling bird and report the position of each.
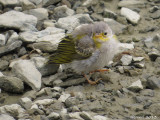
(88, 48)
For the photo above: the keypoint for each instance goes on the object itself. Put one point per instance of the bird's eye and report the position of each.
(105, 33)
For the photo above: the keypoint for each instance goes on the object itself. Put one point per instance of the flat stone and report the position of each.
(116, 27)
(26, 102)
(63, 97)
(153, 54)
(54, 116)
(39, 13)
(131, 3)
(26, 5)
(50, 2)
(6, 117)
(156, 15)
(18, 20)
(11, 84)
(139, 65)
(2, 40)
(14, 109)
(99, 117)
(153, 82)
(138, 59)
(86, 116)
(126, 59)
(3, 65)
(136, 86)
(109, 14)
(44, 102)
(9, 3)
(8, 48)
(132, 16)
(62, 11)
(26, 70)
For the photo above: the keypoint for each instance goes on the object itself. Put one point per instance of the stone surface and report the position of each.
(132, 16)
(116, 27)
(63, 97)
(26, 4)
(10, 3)
(3, 65)
(85, 115)
(126, 59)
(18, 20)
(43, 102)
(153, 82)
(14, 37)
(53, 116)
(26, 70)
(26, 102)
(62, 11)
(2, 40)
(109, 14)
(39, 13)
(99, 117)
(11, 84)
(50, 2)
(8, 48)
(6, 117)
(131, 3)
(136, 86)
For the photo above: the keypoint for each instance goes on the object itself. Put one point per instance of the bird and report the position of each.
(88, 48)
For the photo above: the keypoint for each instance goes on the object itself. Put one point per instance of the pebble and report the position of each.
(64, 97)
(99, 117)
(109, 14)
(50, 2)
(54, 116)
(153, 54)
(14, 37)
(126, 59)
(136, 86)
(139, 65)
(26, 70)
(156, 15)
(26, 5)
(43, 102)
(131, 3)
(26, 102)
(11, 3)
(2, 40)
(23, 22)
(138, 59)
(121, 69)
(153, 82)
(132, 16)
(86, 116)
(6, 117)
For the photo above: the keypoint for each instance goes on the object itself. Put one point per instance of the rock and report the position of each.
(26, 71)
(18, 9)
(85, 116)
(137, 59)
(40, 13)
(126, 59)
(26, 5)
(147, 92)
(132, 16)
(18, 20)
(43, 102)
(22, 51)
(136, 86)
(148, 42)
(81, 10)
(71, 22)
(64, 97)
(139, 65)
(26, 102)
(50, 2)
(116, 27)
(71, 101)
(62, 11)
(88, 3)
(153, 82)
(154, 9)
(3, 65)
(9, 3)
(53, 116)
(131, 3)
(14, 110)
(121, 69)
(99, 117)
(14, 37)
(2, 40)
(155, 15)
(109, 14)
(97, 17)
(125, 46)
(154, 108)
(6, 117)
(11, 84)
(1, 74)
(8, 48)
(153, 54)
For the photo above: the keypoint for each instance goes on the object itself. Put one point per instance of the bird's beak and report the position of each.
(101, 37)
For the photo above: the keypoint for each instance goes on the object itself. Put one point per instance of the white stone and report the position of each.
(44, 102)
(26, 70)
(125, 46)
(1, 74)
(2, 40)
(139, 65)
(9, 2)
(99, 117)
(6, 117)
(26, 102)
(127, 3)
(64, 97)
(13, 38)
(85, 115)
(58, 89)
(18, 20)
(132, 16)
(75, 115)
(12, 109)
(40, 13)
(39, 61)
(137, 85)
(34, 106)
(138, 59)
(53, 115)
(126, 59)
(48, 23)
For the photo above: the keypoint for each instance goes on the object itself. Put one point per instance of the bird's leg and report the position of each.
(100, 70)
(90, 81)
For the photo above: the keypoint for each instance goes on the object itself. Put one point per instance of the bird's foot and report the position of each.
(92, 82)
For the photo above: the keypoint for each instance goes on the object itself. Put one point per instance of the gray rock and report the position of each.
(71, 101)
(154, 108)
(153, 82)
(154, 9)
(18, 9)
(62, 11)
(154, 54)
(116, 27)
(53, 116)
(7, 3)
(64, 97)
(81, 10)
(50, 2)
(6, 117)
(131, 3)
(109, 14)
(43, 102)
(121, 69)
(22, 51)
(8, 48)
(136, 86)
(148, 42)
(99, 117)
(14, 109)
(40, 13)
(126, 59)
(11, 84)
(147, 92)
(137, 59)
(88, 3)
(26, 5)
(26, 102)
(14, 37)
(18, 20)
(139, 65)
(3, 65)
(97, 17)
(27, 71)
(86, 116)
(2, 40)
(132, 16)
(155, 15)
(36, 2)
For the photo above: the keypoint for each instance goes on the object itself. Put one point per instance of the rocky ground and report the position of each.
(30, 30)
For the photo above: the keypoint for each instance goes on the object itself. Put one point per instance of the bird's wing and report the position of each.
(70, 49)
